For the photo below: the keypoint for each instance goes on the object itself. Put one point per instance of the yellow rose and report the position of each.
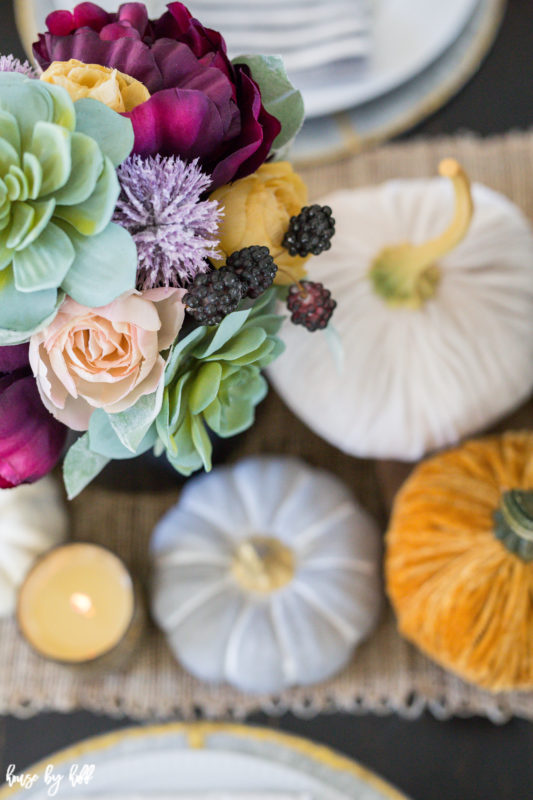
(109, 86)
(257, 210)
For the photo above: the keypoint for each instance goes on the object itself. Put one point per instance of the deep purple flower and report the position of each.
(202, 106)
(174, 230)
(31, 440)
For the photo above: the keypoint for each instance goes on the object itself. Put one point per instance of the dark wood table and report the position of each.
(459, 759)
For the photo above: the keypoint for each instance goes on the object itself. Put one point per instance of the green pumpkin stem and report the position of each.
(407, 275)
(513, 523)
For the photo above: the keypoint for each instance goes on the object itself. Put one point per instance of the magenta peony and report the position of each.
(31, 440)
(202, 106)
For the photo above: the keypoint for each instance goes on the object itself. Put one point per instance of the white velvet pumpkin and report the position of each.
(415, 379)
(33, 519)
(266, 574)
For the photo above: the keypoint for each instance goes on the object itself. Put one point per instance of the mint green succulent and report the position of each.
(58, 191)
(213, 381)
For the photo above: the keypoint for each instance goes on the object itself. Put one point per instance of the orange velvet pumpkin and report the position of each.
(459, 560)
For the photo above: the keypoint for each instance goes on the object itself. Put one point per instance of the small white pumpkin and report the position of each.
(33, 519)
(437, 337)
(266, 574)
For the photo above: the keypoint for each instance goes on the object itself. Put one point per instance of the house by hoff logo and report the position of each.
(78, 775)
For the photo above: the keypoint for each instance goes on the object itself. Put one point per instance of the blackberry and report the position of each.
(213, 295)
(310, 304)
(255, 268)
(310, 232)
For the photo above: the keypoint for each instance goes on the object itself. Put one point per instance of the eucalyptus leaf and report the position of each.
(105, 265)
(104, 440)
(113, 132)
(80, 466)
(132, 425)
(20, 319)
(279, 96)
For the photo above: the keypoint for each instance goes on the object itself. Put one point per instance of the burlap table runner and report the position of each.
(387, 674)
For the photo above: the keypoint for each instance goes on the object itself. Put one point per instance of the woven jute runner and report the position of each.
(387, 674)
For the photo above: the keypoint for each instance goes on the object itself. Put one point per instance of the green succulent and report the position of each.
(213, 381)
(58, 190)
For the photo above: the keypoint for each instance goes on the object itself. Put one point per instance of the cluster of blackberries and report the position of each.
(212, 295)
(251, 271)
(310, 232)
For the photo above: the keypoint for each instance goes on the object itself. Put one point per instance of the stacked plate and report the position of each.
(387, 63)
(306, 33)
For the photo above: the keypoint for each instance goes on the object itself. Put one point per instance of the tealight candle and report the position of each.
(78, 605)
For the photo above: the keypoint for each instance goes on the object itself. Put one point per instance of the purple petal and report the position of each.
(259, 129)
(13, 358)
(136, 15)
(177, 122)
(119, 30)
(31, 440)
(60, 23)
(90, 15)
(127, 55)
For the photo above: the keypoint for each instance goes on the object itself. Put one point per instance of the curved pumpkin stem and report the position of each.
(514, 523)
(408, 275)
(263, 564)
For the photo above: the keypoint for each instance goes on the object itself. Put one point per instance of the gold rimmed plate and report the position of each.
(200, 760)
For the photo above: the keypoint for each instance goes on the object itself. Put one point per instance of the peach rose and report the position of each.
(104, 357)
(113, 88)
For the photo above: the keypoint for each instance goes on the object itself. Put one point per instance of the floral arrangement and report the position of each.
(149, 232)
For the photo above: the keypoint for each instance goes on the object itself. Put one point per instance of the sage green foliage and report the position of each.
(58, 190)
(213, 381)
(279, 97)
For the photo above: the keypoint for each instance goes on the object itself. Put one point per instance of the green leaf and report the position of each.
(87, 165)
(22, 314)
(223, 333)
(244, 342)
(45, 262)
(132, 425)
(51, 145)
(271, 323)
(21, 219)
(113, 132)
(178, 396)
(266, 303)
(279, 96)
(63, 113)
(205, 387)
(9, 130)
(8, 156)
(28, 101)
(104, 268)
(239, 413)
(202, 442)
(180, 351)
(92, 215)
(104, 441)
(80, 466)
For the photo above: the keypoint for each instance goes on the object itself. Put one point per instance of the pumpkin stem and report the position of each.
(263, 564)
(407, 275)
(513, 523)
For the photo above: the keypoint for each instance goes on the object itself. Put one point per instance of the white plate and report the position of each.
(174, 761)
(340, 135)
(408, 36)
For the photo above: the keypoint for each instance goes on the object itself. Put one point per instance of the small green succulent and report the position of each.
(58, 190)
(213, 380)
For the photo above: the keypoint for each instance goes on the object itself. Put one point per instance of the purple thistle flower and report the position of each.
(12, 64)
(174, 229)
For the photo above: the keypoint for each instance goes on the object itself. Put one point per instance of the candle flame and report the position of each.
(82, 604)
